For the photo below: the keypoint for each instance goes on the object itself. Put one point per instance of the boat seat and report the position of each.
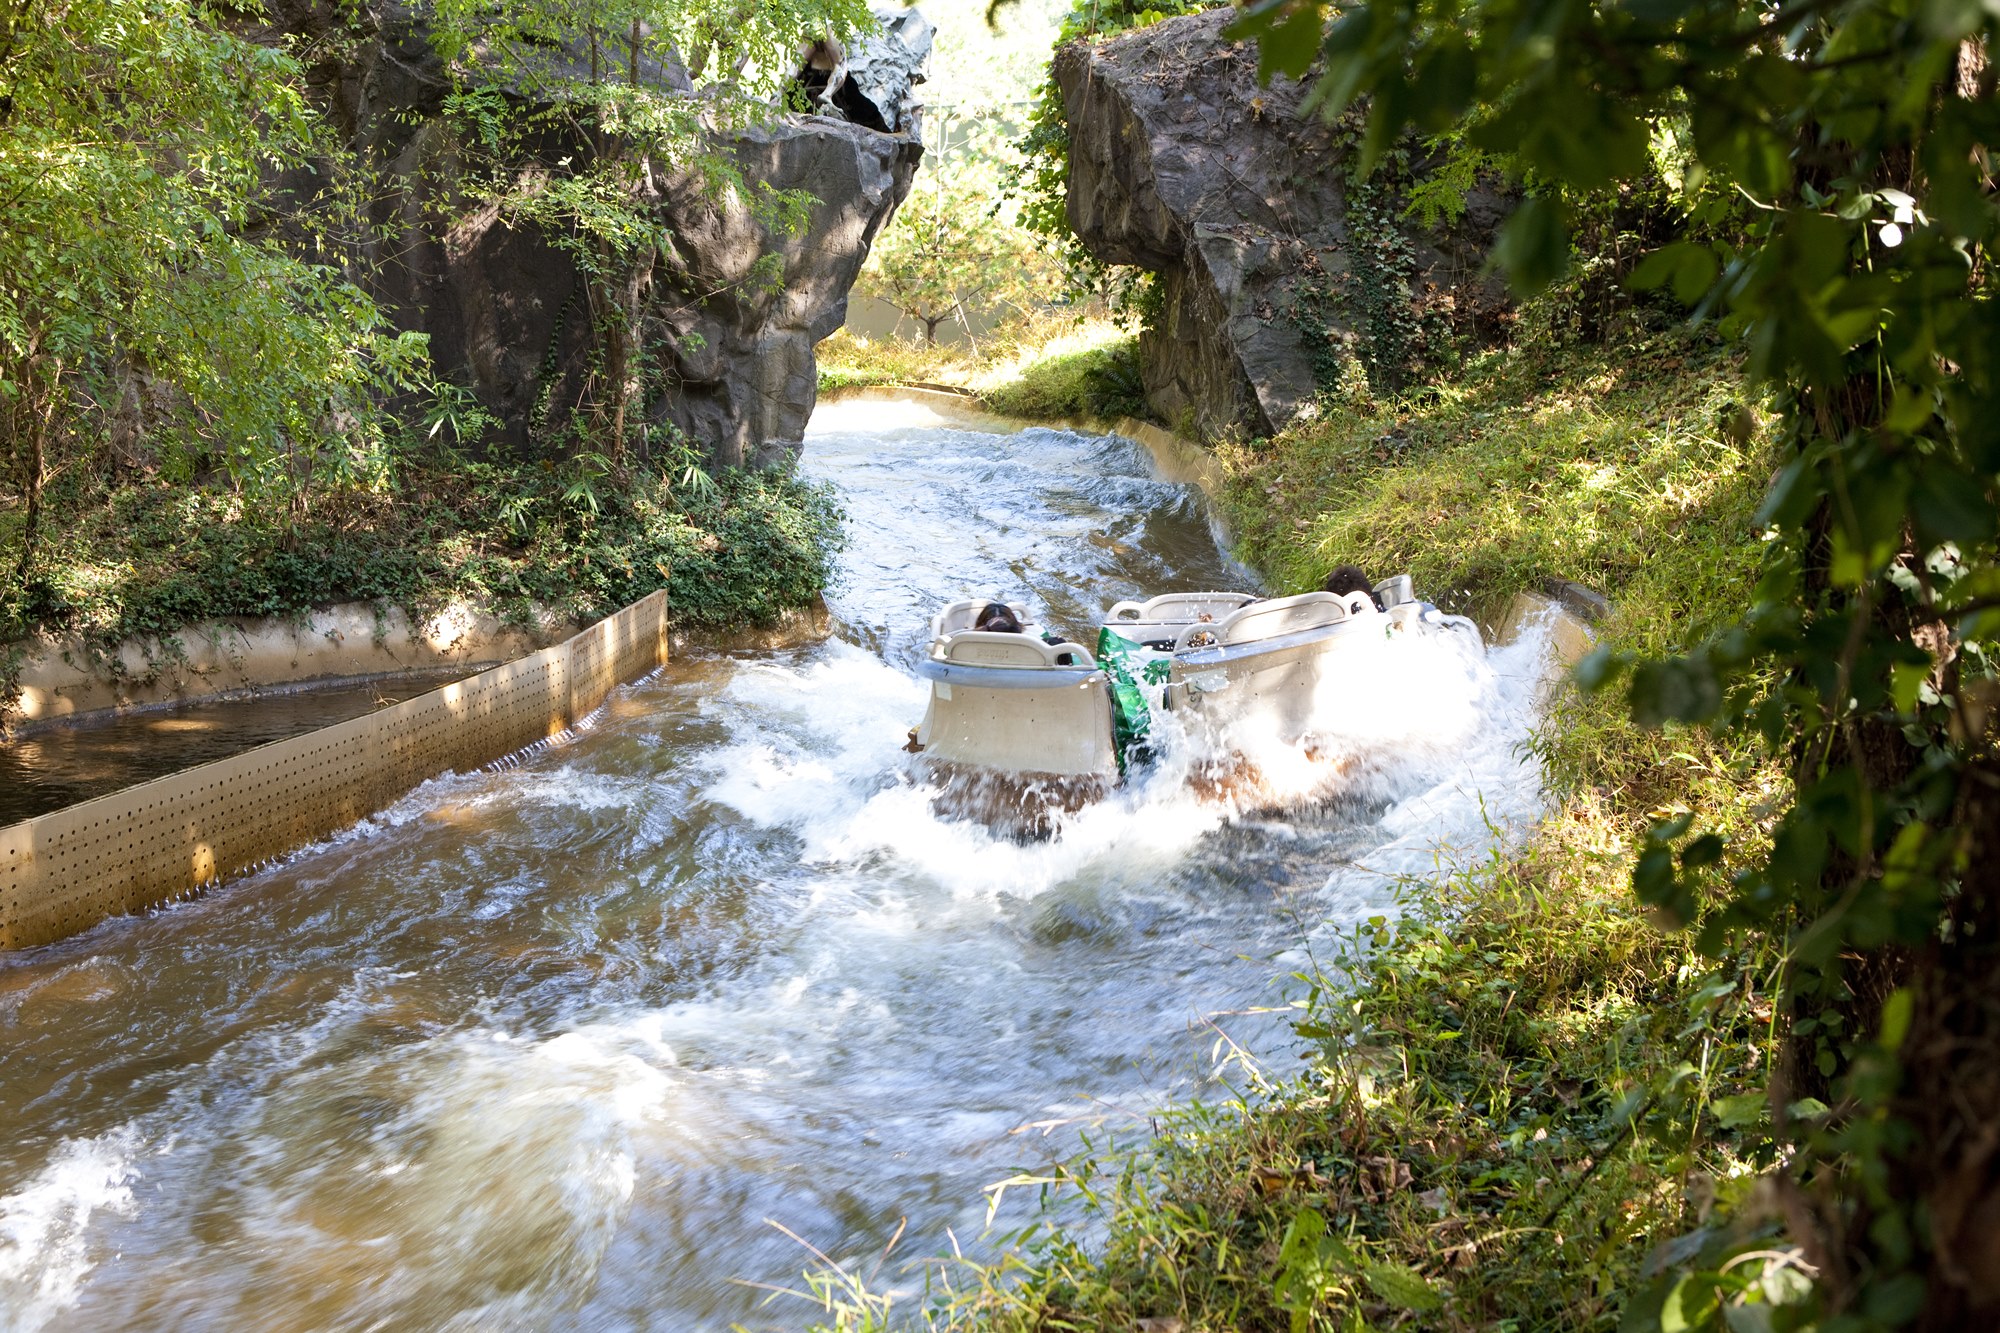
(1266, 620)
(1359, 604)
(1178, 608)
(1395, 591)
(972, 647)
(960, 615)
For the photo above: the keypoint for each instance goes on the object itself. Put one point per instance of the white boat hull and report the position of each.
(1054, 722)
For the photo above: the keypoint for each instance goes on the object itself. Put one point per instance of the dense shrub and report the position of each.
(520, 540)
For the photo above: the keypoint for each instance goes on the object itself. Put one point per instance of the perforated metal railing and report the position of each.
(63, 872)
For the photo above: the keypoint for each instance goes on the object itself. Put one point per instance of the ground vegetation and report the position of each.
(186, 337)
(1859, 280)
(1053, 367)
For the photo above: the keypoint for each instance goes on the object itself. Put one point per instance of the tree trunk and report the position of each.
(35, 472)
(1950, 1098)
(36, 476)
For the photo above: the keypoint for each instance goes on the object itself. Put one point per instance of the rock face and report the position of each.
(875, 83)
(728, 340)
(1182, 164)
(741, 347)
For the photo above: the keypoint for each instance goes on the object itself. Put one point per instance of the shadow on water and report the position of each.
(553, 1047)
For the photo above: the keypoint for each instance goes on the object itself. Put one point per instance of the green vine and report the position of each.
(1379, 311)
(1044, 191)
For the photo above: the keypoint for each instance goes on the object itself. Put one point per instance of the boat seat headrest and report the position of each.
(974, 647)
(1359, 604)
(1395, 591)
(960, 615)
(1267, 620)
(1177, 608)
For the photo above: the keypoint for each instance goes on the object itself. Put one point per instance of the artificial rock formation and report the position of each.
(874, 81)
(509, 313)
(1181, 163)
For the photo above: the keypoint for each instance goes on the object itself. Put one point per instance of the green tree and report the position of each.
(138, 146)
(1861, 133)
(954, 250)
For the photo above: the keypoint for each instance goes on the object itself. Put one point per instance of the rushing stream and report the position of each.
(555, 1046)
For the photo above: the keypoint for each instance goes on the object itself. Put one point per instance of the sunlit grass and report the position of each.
(1050, 367)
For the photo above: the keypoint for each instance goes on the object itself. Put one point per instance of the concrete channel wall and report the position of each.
(63, 872)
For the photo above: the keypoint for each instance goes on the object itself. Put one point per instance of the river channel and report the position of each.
(576, 1043)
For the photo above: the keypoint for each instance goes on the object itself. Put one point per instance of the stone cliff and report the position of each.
(1182, 164)
(508, 311)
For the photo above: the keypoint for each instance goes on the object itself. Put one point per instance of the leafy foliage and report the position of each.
(195, 400)
(954, 251)
(526, 542)
(141, 286)
(1379, 311)
(1861, 283)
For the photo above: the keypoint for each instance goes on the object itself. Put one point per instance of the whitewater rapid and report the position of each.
(565, 1045)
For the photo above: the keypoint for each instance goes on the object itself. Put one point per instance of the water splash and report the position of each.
(546, 1047)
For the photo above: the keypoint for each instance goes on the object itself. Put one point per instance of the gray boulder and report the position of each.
(1181, 163)
(742, 349)
(508, 310)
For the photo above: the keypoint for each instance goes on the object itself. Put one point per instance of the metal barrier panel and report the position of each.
(63, 872)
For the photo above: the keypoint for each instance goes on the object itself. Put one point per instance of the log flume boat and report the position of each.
(1026, 725)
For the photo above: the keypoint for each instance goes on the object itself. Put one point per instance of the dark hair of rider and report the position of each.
(1347, 578)
(997, 618)
(1350, 578)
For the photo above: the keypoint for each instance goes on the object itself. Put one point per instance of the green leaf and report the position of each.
(1680, 689)
(1598, 668)
(1741, 1111)
(1689, 267)
(1951, 505)
(1690, 1304)
(1401, 1287)
(1897, 1011)
(1703, 851)
(1793, 494)
(1287, 33)
(1532, 248)
(1906, 680)
(1748, 1318)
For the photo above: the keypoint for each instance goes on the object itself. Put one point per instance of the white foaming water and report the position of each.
(554, 1046)
(45, 1250)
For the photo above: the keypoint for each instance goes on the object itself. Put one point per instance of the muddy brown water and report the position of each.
(58, 765)
(565, 1045)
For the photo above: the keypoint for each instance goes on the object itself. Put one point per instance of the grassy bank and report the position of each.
(151, 558)
(1521, 1097)
(1045, 369)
